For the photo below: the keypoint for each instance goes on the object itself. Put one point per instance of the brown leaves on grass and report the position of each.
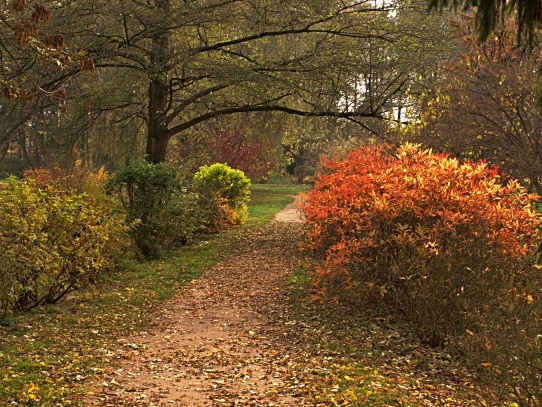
(238, 336)
(241, 336)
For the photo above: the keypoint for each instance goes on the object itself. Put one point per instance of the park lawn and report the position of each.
(279, 189)
(267, 199)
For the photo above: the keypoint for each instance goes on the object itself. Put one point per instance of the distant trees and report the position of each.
(483, 105)
(162, 69)
(179, 64)
(237, 149)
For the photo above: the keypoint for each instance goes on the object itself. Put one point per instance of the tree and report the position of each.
(26, 50)
(484, 105)
(491, 14)
(35, 66)
(240, 150)
(189, 62)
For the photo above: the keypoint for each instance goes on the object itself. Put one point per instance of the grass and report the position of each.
(46, 356)
(263, 206)
(359, 358)
(274, 189)
(267, 199)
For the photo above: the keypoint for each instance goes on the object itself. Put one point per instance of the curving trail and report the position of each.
(225, 340)
(230, 339)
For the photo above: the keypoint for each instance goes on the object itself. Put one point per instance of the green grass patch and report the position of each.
(47, 356)
(267, 199)
(263, 206)
(279, 189)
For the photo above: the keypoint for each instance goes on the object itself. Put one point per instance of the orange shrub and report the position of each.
(77, 179)
(421, 233)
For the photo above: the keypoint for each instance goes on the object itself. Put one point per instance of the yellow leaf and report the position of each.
(32, 389)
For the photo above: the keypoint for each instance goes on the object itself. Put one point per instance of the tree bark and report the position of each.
(157, 138)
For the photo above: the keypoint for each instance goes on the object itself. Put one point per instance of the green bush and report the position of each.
(161, 212)
(224, 194)
(52, 243)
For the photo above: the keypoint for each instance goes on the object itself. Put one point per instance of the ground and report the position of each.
(233, 338)
(226, 339)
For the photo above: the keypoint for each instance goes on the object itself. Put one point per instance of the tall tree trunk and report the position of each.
(157, 139)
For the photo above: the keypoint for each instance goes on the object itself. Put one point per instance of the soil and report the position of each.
(225, 340)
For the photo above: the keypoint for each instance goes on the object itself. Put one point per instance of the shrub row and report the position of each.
(58, 230)
(443, 244)
(165, 210)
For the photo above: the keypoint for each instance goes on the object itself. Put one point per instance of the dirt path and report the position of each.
(225, 340)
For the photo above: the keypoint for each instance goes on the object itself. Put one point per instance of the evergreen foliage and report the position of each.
(161, 211)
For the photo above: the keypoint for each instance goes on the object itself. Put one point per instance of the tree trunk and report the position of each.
(156, 149)
(157, 139)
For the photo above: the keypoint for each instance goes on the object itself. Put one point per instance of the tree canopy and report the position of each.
(163, 69)
(176, 64)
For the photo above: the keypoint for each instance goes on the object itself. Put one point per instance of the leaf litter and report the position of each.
(221, 341)
(246, 333)
(237, 336)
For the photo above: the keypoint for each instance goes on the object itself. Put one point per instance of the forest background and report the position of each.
(267, 87)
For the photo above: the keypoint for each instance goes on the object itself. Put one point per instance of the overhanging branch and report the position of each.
(265, 108)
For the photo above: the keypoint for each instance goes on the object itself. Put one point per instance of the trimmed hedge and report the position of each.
(224, 193)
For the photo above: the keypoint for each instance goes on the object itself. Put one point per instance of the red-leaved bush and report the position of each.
(420, 234)
(241, 152)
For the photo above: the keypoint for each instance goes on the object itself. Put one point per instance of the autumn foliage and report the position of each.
(484, 104)
(54, 242)
(76, 179)
(417, 232)
(239, 151)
